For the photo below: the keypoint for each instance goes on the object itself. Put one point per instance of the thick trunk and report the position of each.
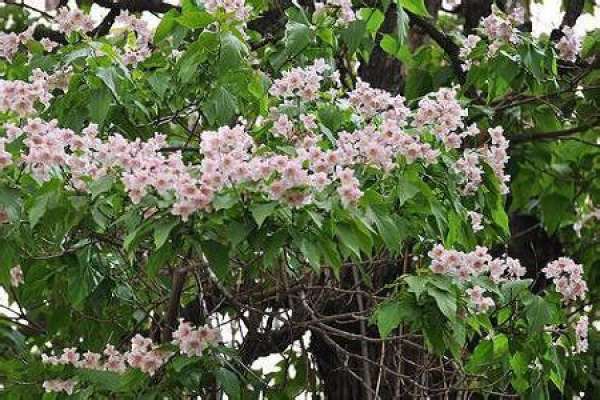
(337, 382)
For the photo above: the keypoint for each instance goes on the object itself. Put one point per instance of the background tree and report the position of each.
(327, 182)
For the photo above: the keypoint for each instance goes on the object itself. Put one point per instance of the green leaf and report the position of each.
(330, 254)
(414, 6)
(232, 52)
(160, 81)
(158, 259)
(401, 26)
(389, 231)
(162, 231)
(349, 238)
(445, 301)
(262, 211)
(166, 25)
(393, 47)
(519, 364)
(500, 343)
(195, 19)
(373, 19)
(482, 356)
(109, 77)
(297, 39)
(354, 34)
(416, 285)
(38, 209)
(554, 210)
(221, 107)
(406, 190)
(558, 372)
(388, 317)
(230, 383)
(113, 381)
(217, 255)
(538, 313)
(99, 105)
(101, 185)
(311, 252)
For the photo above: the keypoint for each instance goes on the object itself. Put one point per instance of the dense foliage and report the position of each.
(399, 200)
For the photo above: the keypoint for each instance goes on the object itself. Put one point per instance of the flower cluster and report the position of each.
(501, 28)
(581, 334)
(346, 13)
(301, 82)
(593, 214)
(567, 276)
(495, 155)
(142, 50)
(16, 276)
(20, 97)
(48, 44)
(73, 20)
(10, 42)
(467, 48)
(369, 102)
(5, 156)
(481, 303)
(192, 342)
(476, 219)
(569, 45)
(384, 130)
(237, 8)
(475, 263)
(143, 353)
(57, 386)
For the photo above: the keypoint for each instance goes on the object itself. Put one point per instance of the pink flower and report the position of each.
(16, 276)
(581, 333)
(569, 45)
(568, 279)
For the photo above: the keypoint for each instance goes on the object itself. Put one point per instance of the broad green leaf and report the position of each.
(538, 313)
(218, 258)
(416, 285)
(162, 230)
(221, 107)
(388, 317)
(349, 238)
(262, 211)
(99, 105)
(354, 34)
(373, 19)
(38, 209)
(166, 25)
(232, 52)
(195, 19)
(230, 383)
(445, 301)
(311, 252)
(414, 6)
(101, 185)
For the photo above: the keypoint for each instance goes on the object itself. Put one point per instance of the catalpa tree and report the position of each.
(398, 199)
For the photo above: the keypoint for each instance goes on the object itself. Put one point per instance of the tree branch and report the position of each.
(572, 13)
(42, 31)
(531, 137)
(173, 306)
(104, 27)
(444, 41)
(157, 6)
